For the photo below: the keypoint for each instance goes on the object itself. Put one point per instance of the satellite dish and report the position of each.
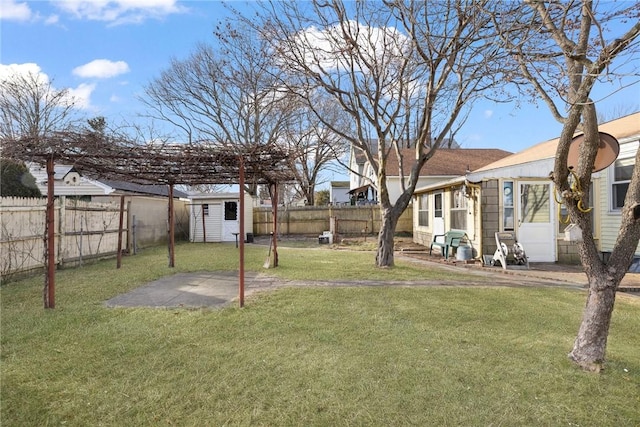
(608, 151)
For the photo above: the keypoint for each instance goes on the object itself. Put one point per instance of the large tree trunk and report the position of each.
(389, 218)
(591, 341)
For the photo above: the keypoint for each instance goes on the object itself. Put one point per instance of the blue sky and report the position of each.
(106, 51)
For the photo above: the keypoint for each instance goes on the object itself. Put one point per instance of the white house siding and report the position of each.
(81, 186)
(395, 189)
(610, 219)
(339, 192)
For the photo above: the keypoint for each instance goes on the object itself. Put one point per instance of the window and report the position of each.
(459, 208)
(535, 206)
(423, 210)
(507, 205)
(205, 210)
(230, 211)
(622, 171)
(437, 205)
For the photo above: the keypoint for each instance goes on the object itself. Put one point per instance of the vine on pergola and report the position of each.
(101, 157)
(154, 163)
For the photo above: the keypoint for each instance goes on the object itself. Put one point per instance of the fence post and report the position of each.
(62, 232)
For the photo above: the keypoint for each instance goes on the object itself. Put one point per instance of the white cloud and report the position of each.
(101, 69)
(329, 50)
(10, 10)
(52, 20)
(7, 71)
(488, 114)
(119, 11)
(81, 95)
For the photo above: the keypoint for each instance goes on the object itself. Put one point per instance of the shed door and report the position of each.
(536, 230)
(230, 223)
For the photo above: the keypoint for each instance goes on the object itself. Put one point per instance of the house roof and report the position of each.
(151, 189)
(542, 153)
(446, 161)
(620, 128)
(361, 159)
(96, 187)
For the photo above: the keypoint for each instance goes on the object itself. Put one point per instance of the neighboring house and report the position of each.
(515, 194)
(446, 163)
(146, 205)
(339, 192)
(215, 217)
(67, 182)
(147, 211)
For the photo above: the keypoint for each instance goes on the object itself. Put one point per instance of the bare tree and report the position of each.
(229, 95)
(314, 146)
(563, 50)
(405, 72)
(31, 106)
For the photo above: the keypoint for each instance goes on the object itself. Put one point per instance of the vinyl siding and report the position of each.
(610, 220)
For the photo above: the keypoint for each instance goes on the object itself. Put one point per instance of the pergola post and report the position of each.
(274, 209)
(241, 273)
(172, 227)
(120, 227)
(50, 233)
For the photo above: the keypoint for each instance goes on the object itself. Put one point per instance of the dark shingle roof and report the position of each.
(152, 190)
(447, 161)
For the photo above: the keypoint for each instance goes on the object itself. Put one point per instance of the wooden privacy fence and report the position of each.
(83, 230)
(311, 220)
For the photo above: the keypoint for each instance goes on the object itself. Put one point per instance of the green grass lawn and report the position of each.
(307, 356)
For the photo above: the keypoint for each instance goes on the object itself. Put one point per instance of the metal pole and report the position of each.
(172, 240)
(241, 279)
(274, 203)
(50, 281)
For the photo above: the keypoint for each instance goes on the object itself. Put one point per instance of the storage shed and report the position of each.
(215, 217)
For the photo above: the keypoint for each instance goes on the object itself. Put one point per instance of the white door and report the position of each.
(536, 227)
(438, 214)
(230, 222)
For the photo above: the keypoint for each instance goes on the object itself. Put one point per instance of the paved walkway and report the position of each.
(219, 288)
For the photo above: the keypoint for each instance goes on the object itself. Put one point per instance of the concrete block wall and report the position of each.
(490, 216)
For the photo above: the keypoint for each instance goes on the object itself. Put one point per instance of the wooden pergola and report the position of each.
(101, 157)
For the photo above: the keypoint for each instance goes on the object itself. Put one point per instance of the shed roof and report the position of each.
(215, 196)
